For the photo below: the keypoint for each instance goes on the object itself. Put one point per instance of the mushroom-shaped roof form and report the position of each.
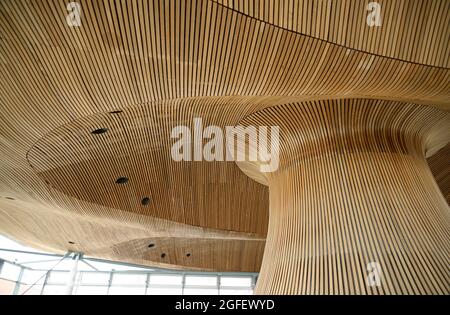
(93, 97)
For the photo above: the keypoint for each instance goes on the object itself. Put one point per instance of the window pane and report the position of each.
(201, 281)
(193, 291)
(94, 278)
(235, 282)
(136, 279)
(55, 290)
(6, 287)
(59, 277)
(168, 280)
(34, 290)
(31, 276)
(236, 292)
(164, 291)
(126, 291)
(92, 290)
(10, 271)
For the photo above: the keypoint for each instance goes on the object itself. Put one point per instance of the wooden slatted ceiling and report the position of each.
(412, 35)
(142, 56)
(164, 53)
(439, 166)
(195, 253)
(353, 189)
(86, 166)
(348, 126)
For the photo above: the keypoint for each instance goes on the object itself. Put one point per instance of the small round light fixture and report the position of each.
(145, 201)
(122, 180)
(100, 131)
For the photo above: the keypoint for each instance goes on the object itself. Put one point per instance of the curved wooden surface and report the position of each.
(410, 30)
(124, 56)
(163, 63)
(353, 189)
(72, 160)
(439, 166)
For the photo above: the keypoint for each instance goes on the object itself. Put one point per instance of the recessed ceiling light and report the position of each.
(163, 255)
(100, 131)
(188, 255)
(122, 180)
(145, 201)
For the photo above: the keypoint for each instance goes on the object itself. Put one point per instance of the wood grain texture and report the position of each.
(439, 166)
(163, 63)
(72, 160)
(123, 55)
(354, 188)
(408, 36)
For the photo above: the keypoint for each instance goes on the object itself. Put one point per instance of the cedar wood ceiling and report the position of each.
(163, 63)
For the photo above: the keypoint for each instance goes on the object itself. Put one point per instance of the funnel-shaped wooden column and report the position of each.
(354, 208)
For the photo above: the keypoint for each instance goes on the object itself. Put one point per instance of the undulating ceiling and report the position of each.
(87, 112)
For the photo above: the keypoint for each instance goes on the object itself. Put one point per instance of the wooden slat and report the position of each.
(164, 63)
(354, 188)
(407, 31)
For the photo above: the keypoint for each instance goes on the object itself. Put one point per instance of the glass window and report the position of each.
(127, 291)
(201, 280)
(59, 277)
(95, 278)
(92, 290)
(236, 292)
(6, 287)
(166, 279)
(235, 281)
(55, 290)
(31, 276)
(10, 271)
(197, 291)
(127, 278)
(25, 289)
(164, 291)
